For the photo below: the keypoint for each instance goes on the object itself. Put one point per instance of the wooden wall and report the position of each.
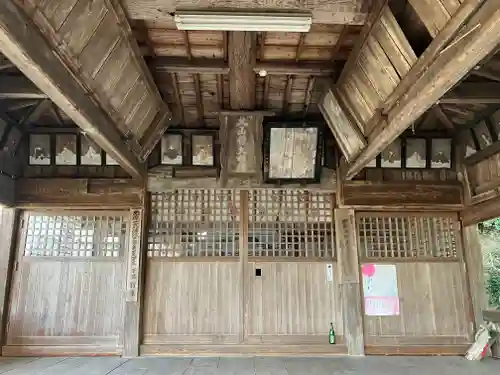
(66, 307)
(434, 309)
(204, 307)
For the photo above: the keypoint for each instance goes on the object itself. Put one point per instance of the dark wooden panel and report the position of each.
(359, 193)
(74, 193)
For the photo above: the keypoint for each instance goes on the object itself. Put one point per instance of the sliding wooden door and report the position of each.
(68, 287)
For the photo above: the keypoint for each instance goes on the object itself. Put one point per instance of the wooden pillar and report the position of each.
(135, 262)
(475, 272)
(8, 231)
(349, 280)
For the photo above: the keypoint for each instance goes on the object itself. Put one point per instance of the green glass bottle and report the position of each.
(331, 334)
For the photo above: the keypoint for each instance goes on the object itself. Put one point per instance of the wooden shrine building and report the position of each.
(230, 177)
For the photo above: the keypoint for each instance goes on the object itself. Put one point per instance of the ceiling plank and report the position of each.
(30, 52)
(199, 98)
(373, 18)
(12, 87)
(473, 93)
(450, 66)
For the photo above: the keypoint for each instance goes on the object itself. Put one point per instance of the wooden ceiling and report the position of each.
(195, 70)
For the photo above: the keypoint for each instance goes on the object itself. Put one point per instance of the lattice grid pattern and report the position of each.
(75, 236)
(407, 236)
(194, 223)
(291, 223)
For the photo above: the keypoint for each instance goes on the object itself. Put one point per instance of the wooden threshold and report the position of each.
(417, 350)
(243, 350)
(60, 351)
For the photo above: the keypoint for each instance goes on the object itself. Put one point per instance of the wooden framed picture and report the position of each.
(483, 134)
(65, 149)
(441, 153)
(391, 156)
(110, 160)
(202, 150)
(39, 149)
(172, 149)
(90, 153)
(292, 152)
(416, 153)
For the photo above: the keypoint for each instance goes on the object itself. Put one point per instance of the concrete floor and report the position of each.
(249, 366)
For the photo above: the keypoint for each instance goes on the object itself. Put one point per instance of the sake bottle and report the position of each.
(331, 334)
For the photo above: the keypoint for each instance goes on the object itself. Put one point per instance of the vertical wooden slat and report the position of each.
(244, 308)
(136, 251)
(349, 279)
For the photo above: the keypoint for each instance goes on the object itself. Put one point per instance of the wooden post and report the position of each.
(475, 273)
(8, 230)
(349, 281)
(135, 262)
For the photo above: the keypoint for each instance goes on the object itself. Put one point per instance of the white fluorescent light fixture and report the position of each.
(243, 21)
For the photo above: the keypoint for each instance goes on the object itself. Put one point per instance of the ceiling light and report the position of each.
(243, 21)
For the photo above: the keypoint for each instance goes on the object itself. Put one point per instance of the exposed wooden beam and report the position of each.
(209, 66)
(449, 67)
(183, 65)
(30, 52)
(288, 94)
(265, 94)
(178, 97)
(432, 52)
(296, 69)
(473, 93)
(199, 98)
(443, 117)
(332, 12)
(15, 105)
(242, 48)
(372, 20)
(42, 107)
(308, 97)
(57, 115)
(486, 74)
(300, 46)
(340, 42)
(19, 88)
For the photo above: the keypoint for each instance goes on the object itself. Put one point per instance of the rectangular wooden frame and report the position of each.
(266, 150)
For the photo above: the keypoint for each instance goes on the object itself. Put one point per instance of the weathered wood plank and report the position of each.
(78, 192)
(472, 48)
(35, 58)
(432, 13)
(348, 136)
(358, 193)
(349, 279)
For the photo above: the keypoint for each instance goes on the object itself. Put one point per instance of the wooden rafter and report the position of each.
(288, 94)
(220, 90)
(473, 93)
(307, 101)
(265, 94)
(30, 52)
(199, 98)
(12, 87)
(340, 41)
(300, 46)
(177, 94)
(441, 75)
(443, 117)
(41, 108)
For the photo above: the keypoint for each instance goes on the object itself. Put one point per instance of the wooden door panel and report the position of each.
(192, 303)
(292, 303)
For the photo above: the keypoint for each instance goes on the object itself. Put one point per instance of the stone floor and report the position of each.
(247, 366)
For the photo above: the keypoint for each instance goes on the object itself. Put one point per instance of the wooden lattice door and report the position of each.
(68, 287)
